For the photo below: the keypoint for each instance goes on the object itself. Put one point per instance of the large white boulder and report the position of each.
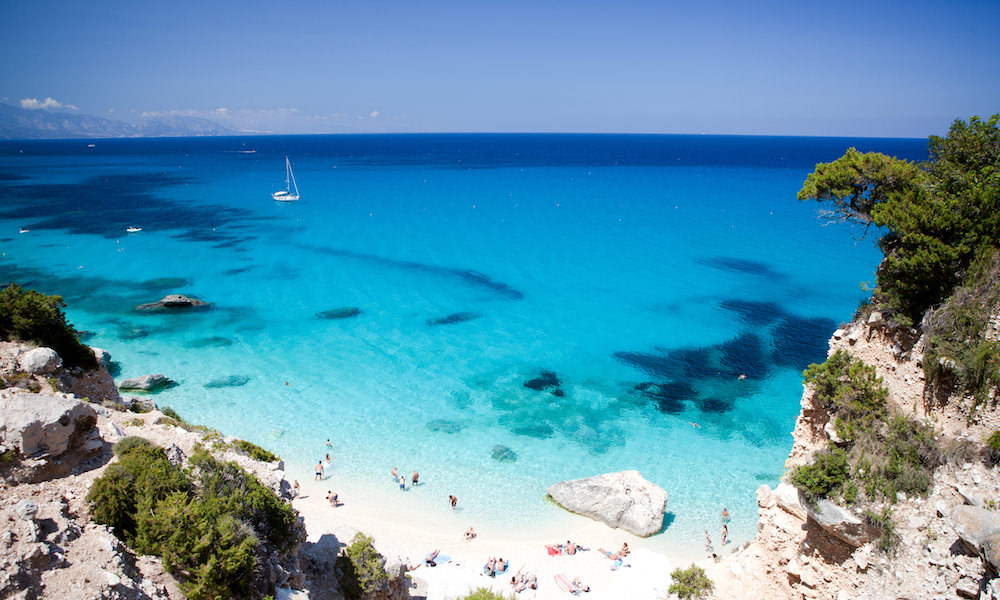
(841, 523)
(103, 356)
(40, 361)
(145, 383)
(624, 499)
(43, 423)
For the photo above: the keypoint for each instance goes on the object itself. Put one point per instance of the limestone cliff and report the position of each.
(798, 555)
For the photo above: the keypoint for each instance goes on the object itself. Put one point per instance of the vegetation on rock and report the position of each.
(126, 444)
(254, 451)
(690, 583)
(30, 316)
(360, 568)
(207, 525)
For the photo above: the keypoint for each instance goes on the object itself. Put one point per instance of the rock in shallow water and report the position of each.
(146, 383)
(172, 301)
(344, 312)
(228, 381)
(503, 453)
(459, 317)
(624, 499)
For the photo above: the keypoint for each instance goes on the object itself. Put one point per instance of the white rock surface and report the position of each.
(42, 423)
(40, 361)
(624, 499)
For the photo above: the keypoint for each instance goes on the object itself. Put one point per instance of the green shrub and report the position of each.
(827, 476)
(485, 594)
(888, 540)
(206, 525)
(360, 568)
(126, 444)
(690, 583)
(254, 451)
(994, 441)
(28, 315)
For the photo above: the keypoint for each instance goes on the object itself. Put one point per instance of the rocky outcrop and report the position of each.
(103, 356)
(43, 424)
(841, 523)
(624, 499)
(40, 361)
(172, 302)
(146, 383)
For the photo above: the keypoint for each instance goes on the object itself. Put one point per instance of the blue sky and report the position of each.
(841, 68)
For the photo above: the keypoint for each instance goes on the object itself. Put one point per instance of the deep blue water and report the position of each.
(482, 308)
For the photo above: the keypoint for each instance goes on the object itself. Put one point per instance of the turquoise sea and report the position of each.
(530, 308)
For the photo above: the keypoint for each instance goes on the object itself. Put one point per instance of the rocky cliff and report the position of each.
(805, 551)
(57, 430)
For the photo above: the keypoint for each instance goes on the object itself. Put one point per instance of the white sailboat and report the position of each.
(286, 194)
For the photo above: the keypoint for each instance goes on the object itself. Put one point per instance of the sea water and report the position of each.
(514, 310)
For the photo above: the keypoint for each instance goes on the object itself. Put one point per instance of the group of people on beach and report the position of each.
(401, 479)
(522, 581)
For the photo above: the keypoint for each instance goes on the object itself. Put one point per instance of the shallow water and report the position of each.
(499, 312)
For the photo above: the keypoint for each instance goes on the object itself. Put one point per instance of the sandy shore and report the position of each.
(402, 528)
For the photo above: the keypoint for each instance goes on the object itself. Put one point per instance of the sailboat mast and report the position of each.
(292, 175)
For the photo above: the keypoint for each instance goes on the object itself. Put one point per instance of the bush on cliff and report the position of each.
(360, 568)
(208, 525)
(935, 218)
(690, 583)
(879, 453)
(30, 316)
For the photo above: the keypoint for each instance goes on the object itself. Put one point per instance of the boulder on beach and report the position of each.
(172, 301)
(146, 383)
(40, 361)
(624, 499)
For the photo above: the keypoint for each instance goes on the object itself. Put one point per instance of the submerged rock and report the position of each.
(546, 380)
(146, 383)
(344, 312)
(444, 426)
(214, 341)
(624, 499)
(459, 317)
(228, 381)
(133, 334)
(503, 453)
(172, 301)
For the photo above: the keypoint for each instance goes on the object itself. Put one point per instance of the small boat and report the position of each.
(133, 229)
(286, 194)
(25, 230)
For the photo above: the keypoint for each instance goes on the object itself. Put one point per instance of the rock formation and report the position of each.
(624, 499)
(173, 301)
(146, 383)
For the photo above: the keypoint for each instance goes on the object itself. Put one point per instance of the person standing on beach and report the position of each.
(453, 500)
(395, 476)
(725, 532)
(402, 483)
(319, 471)
(416, 476)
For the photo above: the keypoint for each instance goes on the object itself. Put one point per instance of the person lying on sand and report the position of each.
(578, 586)
(570, 548)
(518, 581)
(470, 534)
(616, 559)
(490, 568)
(429, 559)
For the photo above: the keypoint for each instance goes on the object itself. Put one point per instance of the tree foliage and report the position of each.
(690, 583)
(29, 315)
(935, 217)
(360, 568)
(207, 525)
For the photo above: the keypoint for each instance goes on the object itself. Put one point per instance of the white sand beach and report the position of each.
(400, 528)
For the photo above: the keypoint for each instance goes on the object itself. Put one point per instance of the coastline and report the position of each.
(401, 531)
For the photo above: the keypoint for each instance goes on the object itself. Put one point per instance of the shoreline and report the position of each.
(408, 530)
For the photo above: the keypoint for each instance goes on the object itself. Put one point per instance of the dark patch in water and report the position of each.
(236, 271)
(85, 335)
(163, 283)
(228, 381)
(714, 405)
(210, 342)
(740, 265)
(344, 312)
(669, 397)
(5, 176)
(106, 204)
(136, 333)
(444, 426)
(540, 430)
(502, 453)
(754, 313)
(465, 275)
(744, 356)
(798, 341)
(546, 381)
(459, 317)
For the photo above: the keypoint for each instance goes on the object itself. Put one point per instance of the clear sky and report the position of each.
(839, 67)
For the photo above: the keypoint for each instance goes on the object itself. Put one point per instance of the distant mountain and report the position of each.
(22, 124)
